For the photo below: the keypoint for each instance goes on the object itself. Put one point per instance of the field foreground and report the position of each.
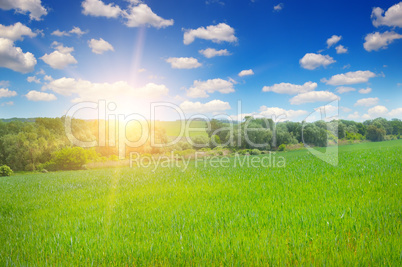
(308, 212)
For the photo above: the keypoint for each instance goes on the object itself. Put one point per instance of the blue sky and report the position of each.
(296, 56)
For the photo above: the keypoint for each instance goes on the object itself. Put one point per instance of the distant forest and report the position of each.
(32, 144)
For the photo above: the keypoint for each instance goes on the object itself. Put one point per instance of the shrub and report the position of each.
(255, 152)
(282, 147)
(71, 158)
(375, 133)
(5, 171)
(30, 167)
(47, 166)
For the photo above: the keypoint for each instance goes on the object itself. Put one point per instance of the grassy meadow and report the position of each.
(307, 213)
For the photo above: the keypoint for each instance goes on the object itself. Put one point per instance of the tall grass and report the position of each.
(308, 213)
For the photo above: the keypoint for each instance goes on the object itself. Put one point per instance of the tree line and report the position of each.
(42, 143)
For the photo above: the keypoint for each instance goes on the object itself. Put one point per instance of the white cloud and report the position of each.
(367, 102)
(312, 61)
(365, 91)
(216, 33)
(333, 40)
(136, 15)
(346, 110)
(141, 14)
(78, 31)
(40, 96)
(15, 32)
(278, 7)
(33, 79)
(86, 90)
(12, 57)
(395, 113)
(4, 83)
(376, 41)
(48, 78)
(183, 62)
(246, 73)
(290, 89)
(350, 78)
(60, 58)
(340, 49)
(392, 17)
(60, 33)
(201, 88)
(74, 30)
(381, 111)
(213, 106)
(34, 7)
(9, 103)
(4, 92)
(377, 111)
(211, 52)
(283, 114)
(100, 46)
(354, 116)
(313, 96)
(344, 89)
(99, 9)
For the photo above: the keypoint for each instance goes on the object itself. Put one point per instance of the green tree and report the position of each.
(375, 133)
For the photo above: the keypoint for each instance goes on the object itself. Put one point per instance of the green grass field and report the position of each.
(308, 213)
(173, 128)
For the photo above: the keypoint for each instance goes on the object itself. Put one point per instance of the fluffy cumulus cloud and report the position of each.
(100, 46)
(33, 79)
(340, 49)
(282, 114)
(246, 73)
(200, 89)
(312, 61)
(75, 30)
(141, 14)
(312, 97)
(33, 7)
(14, 58)
(86, 90)
(40, 96)
(344, 89)
(367, 102)
(382, 111)
(290, 89)
(392, 17)
(15, 32)
(365, 91)
(183, 62)
(216, 33)
(60, 58)
(376, 41)
(214, 106)
(354, 116)
(350, 78)
(278, 7)
(4, 92)
(211, 52)
(375, 112)
(99, 9)
(395, 113)
(60, 33)
(137, 13)
(333, 40)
